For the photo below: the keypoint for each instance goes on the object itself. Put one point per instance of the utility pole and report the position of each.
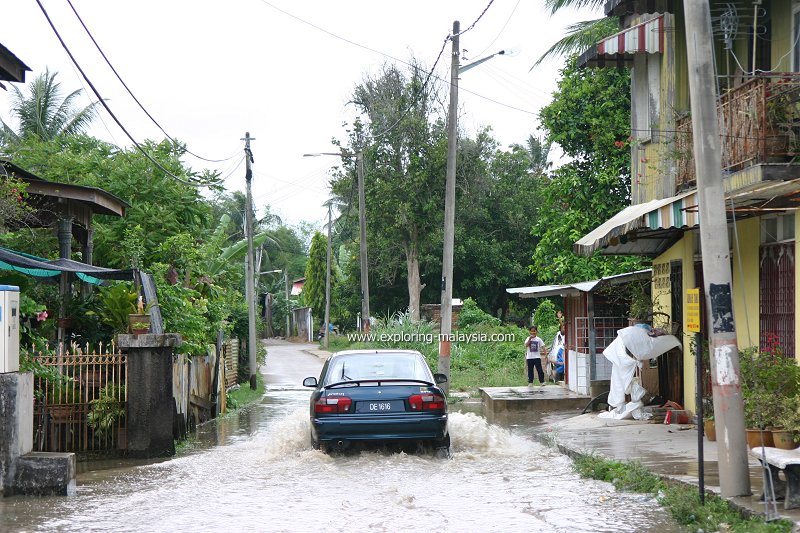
(734, 474)
(362, 225)
(288, 307)
(328, 281)
(446, 315)
(250, 269)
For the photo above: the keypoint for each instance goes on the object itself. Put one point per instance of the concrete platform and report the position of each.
(550, 397)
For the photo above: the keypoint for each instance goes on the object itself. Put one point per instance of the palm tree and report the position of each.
(538, 151)
(580, 35)
(43, 114)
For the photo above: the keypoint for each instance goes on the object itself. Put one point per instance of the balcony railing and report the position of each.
(759, 122)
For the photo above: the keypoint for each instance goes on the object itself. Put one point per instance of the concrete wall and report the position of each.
(23, 472)
(16, 423)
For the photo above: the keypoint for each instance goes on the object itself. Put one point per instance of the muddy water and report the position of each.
(261, 475)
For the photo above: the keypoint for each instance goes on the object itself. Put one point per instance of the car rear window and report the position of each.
(377, 366)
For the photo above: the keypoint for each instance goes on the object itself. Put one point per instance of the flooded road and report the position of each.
(256, 471)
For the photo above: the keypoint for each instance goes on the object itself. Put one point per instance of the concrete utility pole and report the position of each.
(734, 475)
(362, 229)
(446, 315)
(328, 281)
(250, 269)
(288, 306)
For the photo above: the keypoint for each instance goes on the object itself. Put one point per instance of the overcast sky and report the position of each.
(209, 70)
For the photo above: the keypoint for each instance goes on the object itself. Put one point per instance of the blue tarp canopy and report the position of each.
(41, 267)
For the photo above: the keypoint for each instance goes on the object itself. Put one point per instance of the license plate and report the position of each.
(379, 406)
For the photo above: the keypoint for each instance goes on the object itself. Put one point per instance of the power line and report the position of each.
(111, 113)
(485, 9)
(133, 96)
(501, 29)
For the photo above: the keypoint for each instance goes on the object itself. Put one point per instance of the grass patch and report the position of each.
(682, 501)
(244, 395)
(480, 361)
(186, 445)
(626, 477)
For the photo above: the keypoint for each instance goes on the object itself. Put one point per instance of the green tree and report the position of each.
(404, 145)
(589, 118)
(316, 268)
(43, 114)
(497, 203)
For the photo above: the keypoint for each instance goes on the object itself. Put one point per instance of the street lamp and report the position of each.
(446, 313)
(362, 222)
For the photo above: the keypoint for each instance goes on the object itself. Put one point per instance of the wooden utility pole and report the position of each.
(250, 269)
(328, 281)
(446, 315)
(734, 474)
(362, 225)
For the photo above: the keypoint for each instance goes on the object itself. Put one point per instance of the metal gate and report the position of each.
(776, 297)
(81, 405)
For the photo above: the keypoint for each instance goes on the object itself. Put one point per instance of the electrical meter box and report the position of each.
(9, 326)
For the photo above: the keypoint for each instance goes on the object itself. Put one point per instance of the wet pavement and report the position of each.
(667, 450)
(554, 415)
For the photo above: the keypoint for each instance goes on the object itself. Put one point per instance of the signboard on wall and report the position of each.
(693, 310)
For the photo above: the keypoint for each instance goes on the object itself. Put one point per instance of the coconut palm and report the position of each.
(580, 35)
(538, 152)
(43, 114)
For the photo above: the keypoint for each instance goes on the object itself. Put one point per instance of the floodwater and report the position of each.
(256, 471)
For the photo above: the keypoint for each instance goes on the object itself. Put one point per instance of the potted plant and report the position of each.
(117, 302)
(789, 420)
(106, 410)
(139, 322)
(770, 386)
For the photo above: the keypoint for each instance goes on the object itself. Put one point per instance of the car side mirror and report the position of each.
(440, 378)
(310, 382)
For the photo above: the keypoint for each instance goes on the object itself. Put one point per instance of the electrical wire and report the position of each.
(501, 30)
(111, 113)
(429, 74)
(108, 62)
(485, 9)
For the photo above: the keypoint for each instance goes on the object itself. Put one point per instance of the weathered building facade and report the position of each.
(757, 57)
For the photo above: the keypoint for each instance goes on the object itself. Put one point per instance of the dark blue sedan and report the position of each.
(378, 397)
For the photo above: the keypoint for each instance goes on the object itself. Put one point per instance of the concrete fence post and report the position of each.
(150, 402)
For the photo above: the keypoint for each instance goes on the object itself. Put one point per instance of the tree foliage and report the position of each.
(589, 118)
(43, 114)
(316, 269)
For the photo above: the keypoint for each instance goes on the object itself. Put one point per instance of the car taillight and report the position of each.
(339, 404)
(426, 402)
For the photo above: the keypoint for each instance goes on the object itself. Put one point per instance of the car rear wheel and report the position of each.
(442, 447)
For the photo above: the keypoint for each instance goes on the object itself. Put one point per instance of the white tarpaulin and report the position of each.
(632, 346)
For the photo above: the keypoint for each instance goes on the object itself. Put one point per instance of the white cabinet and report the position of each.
(9, 326)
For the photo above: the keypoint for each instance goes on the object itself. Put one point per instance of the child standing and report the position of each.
(533, 355)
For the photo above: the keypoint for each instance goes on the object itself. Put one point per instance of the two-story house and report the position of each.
(757, 59)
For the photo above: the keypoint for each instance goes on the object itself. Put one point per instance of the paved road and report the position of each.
(288, 363)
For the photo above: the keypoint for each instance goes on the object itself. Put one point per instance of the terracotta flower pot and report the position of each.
(756, 437)
(710, 430)
(784, 439)
(139, 323)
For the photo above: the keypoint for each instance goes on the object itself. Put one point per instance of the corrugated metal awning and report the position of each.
(543, 291)
(634, 217)
(644, 38)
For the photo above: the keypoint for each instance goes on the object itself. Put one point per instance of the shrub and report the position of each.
(471, 314)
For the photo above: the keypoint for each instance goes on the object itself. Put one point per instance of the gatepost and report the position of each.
(150, 402)
(23, 471)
